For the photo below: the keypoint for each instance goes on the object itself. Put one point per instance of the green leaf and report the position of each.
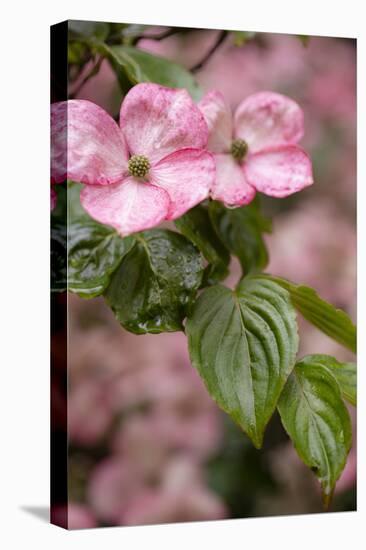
(155, 282)
(244, 346)
(58, 255)
(58, 243)
(317, 421)
(94, 250)
(196, 225)
(344, 373)
(76, 53)
(94, 253)
(334, 322)
(140, 66)
(241, 230)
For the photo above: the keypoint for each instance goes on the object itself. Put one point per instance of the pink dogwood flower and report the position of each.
(150, 167)
(255, 149)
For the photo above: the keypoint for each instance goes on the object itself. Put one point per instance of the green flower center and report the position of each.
(239, 149)
(138, 166)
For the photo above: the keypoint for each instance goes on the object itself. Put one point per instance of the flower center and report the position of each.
(138, 166)
(239, 149)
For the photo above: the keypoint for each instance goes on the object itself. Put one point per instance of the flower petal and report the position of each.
(58, 142)
(279, 171)
(231, 186)
(267, 119)
(219, 121)
(187, 176)
(97, 153)
(128, 206)
(157, 121)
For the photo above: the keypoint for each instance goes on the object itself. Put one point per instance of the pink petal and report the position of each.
(187, 176)
(97, 153)
(231, 186)
(219, 121)
(157, 121)
(128, 206)
(279, 171)
(58, 142)
(53, 198)
(267, 119)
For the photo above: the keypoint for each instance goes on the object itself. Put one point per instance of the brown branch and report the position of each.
(161, 36)
(93, 71)
(211, 51)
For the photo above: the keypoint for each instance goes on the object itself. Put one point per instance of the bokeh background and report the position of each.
(146, 442)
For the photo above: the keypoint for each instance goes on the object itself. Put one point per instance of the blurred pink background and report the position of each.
(147, 444)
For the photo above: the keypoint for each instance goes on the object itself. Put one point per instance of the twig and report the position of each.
(161, 36)
(94, 70)
(210, 52)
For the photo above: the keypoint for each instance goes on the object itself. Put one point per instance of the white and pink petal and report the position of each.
(97, 152)
(218, 117)
(157, 121)
(187, 176)
(279, 171)
(129, 206)
(231, 186)
(268, 119)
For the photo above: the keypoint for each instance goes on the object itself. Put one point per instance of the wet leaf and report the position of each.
(243, 344)
(314, 415)
(196, 225)
(155, 283)
(94, 253)
(344, 373)
(241, 230)
(334, 322)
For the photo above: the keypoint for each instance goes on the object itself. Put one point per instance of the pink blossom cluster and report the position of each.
(149, 410)
(322, 77)
(168, 154)
(306, 246)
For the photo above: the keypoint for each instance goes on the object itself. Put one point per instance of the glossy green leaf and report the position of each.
(344, 373)
(94, 253)
(196, 225)
(316, 419)
(58, 243)
(155, 282)
(243, 344)
(141, 66)
(60, 210)
(58, 255)
(334, 322)
(94, 250)
(241, 230)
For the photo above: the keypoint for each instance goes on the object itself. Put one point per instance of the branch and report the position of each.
(212, 50)
(93, 71)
